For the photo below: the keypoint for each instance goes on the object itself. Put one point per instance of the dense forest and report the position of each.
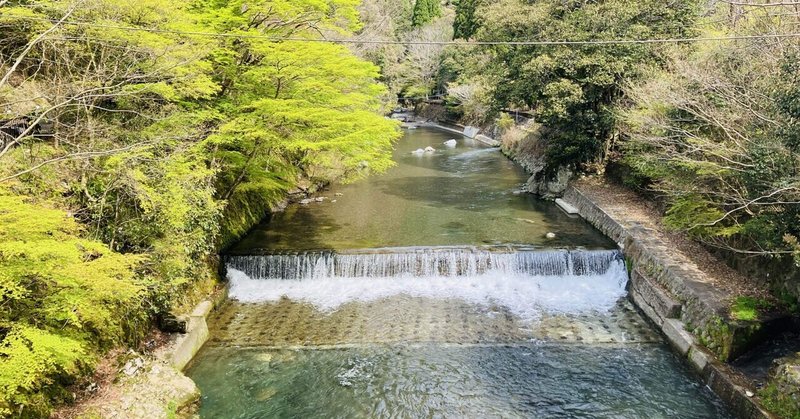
(138, 139)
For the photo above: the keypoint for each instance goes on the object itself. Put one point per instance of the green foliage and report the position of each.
(780, 402)
(167, 147)
(572, 90)
(505, 122)
(425, 11)
(63, 298)
(466, 22)
(716, 134)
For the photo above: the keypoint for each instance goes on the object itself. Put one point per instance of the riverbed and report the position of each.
(433, 291)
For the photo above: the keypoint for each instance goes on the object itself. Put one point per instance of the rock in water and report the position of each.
(429, 149)
(550, 235)
(450, 143)
(418, 151)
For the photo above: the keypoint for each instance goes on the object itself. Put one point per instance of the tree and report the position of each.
(572, 90)
(466, 22)
(425, 11)
(167, 142)
(716, 134)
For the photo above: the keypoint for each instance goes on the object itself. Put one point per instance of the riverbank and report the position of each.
(695, 299)
(684, 290)
(626, 217)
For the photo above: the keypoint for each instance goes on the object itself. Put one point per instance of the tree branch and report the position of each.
(80, 155)
(33, 43)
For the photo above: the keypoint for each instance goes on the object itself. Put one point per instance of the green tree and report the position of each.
(467, 20)
(572, 90)
(164, 146)
(425, 11)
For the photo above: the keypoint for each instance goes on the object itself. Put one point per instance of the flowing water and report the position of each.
(336, 311)
(462, 195)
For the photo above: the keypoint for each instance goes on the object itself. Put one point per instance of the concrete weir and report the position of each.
(679, 299)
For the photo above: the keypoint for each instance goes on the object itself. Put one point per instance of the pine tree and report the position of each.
(466, 23)
(425, 11)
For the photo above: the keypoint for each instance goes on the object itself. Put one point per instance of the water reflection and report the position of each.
(462, 195)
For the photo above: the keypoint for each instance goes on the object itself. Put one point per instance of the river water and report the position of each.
(432, 291)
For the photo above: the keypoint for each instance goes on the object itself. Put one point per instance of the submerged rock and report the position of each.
(450, 143)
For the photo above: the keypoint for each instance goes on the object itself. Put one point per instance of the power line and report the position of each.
(442, 43)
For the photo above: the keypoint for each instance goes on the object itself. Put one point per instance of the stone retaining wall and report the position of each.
(678, 298)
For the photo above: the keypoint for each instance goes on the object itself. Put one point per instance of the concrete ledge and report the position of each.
(651, 294)
(564, 205)
(595, 215)
(672, 292)
(700, 357)
(187, 345)
(487, 140)
(734, 390)
(680, 339)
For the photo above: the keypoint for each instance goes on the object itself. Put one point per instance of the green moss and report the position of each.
(778, 402)
(748, 308)
(719, 338)
(629, 264)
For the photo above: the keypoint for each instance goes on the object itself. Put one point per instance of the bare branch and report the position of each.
(35, 41)
(74, 156)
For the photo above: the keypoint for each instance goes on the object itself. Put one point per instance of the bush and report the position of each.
(63, 297)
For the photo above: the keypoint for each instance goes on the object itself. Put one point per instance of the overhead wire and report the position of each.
(274, 38)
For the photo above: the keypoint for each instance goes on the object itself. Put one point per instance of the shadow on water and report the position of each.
(301, 228)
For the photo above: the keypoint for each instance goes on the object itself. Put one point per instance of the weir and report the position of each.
(448, 294)
(424, 261)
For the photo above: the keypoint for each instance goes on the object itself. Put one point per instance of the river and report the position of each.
(433, 291)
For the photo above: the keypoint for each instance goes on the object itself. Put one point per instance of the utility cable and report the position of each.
(443, 43)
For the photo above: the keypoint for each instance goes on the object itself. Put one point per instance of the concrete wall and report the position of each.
(678, 298)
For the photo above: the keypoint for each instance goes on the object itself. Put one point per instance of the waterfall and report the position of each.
(525, 282)
(423, 262)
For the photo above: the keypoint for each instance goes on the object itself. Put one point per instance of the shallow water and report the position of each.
(464, 195)
(438, 296)
(459, 381)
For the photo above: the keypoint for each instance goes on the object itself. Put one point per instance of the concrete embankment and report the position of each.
(688, 306)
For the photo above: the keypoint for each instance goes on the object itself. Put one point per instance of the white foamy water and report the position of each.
(508, 285)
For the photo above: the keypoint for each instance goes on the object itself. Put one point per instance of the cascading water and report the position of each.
(523, 281)
(424, 261)
(467, 326)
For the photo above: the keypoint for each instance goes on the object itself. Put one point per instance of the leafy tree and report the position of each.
(572, 90)
(62, 295)
(716, 134)
(165, 146)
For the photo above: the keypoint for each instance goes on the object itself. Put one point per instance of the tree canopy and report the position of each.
(173, 128)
